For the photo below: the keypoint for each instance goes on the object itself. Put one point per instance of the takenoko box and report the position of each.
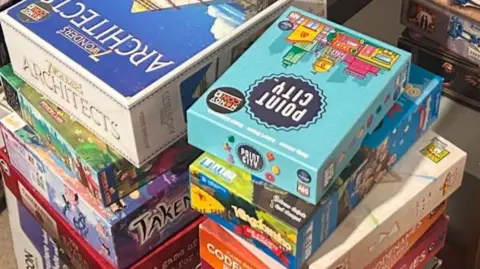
(294, 109)
(129, 69)
(123, 232)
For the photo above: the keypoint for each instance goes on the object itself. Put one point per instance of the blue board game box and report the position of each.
(295, 108)
(283, 225)
(129, 69)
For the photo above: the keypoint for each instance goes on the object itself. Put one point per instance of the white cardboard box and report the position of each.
(129, 69)
(412, 189)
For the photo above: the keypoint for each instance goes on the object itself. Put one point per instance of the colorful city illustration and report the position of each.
(331, 47)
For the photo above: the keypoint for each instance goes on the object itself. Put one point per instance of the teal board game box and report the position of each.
(288, 228)
(295, 108)
(107, 175)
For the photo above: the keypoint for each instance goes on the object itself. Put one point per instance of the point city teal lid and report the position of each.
(129, 44)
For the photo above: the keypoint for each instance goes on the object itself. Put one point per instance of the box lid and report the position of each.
(129, 44)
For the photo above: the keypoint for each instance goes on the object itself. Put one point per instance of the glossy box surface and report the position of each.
(426, 176)
(290, 86)
(180, 251)
(283, 225)
(122, 232)
(446, 22)
(129, 69)
(107, 175)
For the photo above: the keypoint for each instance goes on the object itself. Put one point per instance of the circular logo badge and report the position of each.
(304, 176)
(285, 25)
(250, 157)
(35, 12)
(285, 102)
(225, 100)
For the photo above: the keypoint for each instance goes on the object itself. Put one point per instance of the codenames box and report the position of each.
(108, 176)
(427, 247)
(283, 225)
(122, 232)
(290, 87)
(180, 251)
(402, 246)
(425, 177)
(129, 69)
(447, 22)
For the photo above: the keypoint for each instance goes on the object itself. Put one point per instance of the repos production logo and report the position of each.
(285, 102)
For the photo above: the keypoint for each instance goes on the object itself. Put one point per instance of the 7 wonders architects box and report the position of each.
(283, 225)
(291, 86)
(129, 69)
(122, 232)
(107, 175)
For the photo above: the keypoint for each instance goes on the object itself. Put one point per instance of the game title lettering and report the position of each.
(225, 100)
(290, 103)
(184, 257)
(29, 260)
(228, 262)
(52, 112)
(46, 250)
(94, 27)
(218, 169)
(259, 225)
(71, 249)
(156, 219)
(289, 210)
(71, 97)
(417, 261)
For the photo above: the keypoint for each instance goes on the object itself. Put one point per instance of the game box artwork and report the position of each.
(427, 247)
(122, 232)
(283, 225)
(291, 86)
(33, 246)
(97, 166)
(234, 251)
(129, 69)
(179, 251)
(397, 250)
(454, 26)
(461, 78)
(417, 184)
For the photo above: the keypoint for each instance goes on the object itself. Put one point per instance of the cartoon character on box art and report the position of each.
(458, 29)
(70, 208)
(422, 17)
(330, 47)
(467, 3)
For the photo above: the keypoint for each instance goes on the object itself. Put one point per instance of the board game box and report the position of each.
(289, 87)
(447, 22)
(220, 248)
(427, 247)
(122, 232)
(104, 172)
(283, 225)
(129, 69)
(180, 251)
(33, 246)
(461, 78)
(402, 246)
(425, 177)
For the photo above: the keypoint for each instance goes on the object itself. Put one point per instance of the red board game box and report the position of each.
(180, 251)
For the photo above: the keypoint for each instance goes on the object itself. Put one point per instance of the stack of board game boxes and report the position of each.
(96, 147)
(443, 36)
(298, 131)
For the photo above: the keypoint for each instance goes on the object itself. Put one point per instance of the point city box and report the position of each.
(453, 26)
(179, 251)
(290, 87)
(129, 69)
(413, 188)
(427, 247)
(122, 232)
(286, 227)
(33, 246)
(461, 78)
(100, 168)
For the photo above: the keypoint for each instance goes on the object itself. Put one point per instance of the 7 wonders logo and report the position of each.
(285, 102)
